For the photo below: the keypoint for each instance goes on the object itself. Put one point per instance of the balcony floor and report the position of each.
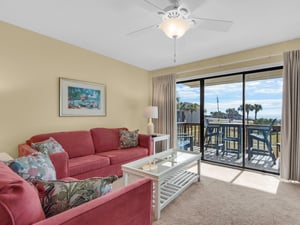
(258, 162)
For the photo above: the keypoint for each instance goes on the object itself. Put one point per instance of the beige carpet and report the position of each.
(218, 202)
(213, 202)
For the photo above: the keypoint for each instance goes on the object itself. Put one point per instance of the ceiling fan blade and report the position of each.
(213, 24)
(175, 2)
(192, 5)
(154, 5)
(143, 29)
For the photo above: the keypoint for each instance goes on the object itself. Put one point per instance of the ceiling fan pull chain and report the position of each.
(174, 50)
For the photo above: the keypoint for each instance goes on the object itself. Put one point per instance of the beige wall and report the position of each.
(31, 64)
(30, 67)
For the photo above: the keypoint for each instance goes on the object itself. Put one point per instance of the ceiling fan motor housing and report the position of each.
(178, 12)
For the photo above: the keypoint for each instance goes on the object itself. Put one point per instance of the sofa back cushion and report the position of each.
(106, 139)
(19, 201)
(75, 143)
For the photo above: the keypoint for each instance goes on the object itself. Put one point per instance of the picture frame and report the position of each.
(81, 98)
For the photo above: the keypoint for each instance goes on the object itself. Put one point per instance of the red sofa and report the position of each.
(20, 204)
(95, 152)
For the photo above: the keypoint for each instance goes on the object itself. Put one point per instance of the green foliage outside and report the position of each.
(263, 121)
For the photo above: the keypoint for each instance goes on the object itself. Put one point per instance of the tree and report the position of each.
(232, 113)
(177, 101)
(182, 107)
(192, 107)
(248, 108)
(257, 108)
(217, 114)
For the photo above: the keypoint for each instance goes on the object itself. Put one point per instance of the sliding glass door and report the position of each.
(233, 119)
(263, 102)
(188, 116)
(223, 120)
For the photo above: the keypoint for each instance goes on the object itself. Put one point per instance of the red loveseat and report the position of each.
(95, 152)
(20, 204)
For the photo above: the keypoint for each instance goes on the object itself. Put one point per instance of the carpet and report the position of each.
(221, 199)
(214, 202)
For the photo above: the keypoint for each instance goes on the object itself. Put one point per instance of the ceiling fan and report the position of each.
(177, 20)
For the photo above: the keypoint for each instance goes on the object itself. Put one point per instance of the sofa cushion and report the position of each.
(58, 196)
(106, 139)
(129, 139)
(19, 202)
(75, 143)
(48, 146)
(125, 155)
(87, 163)
(35, 165)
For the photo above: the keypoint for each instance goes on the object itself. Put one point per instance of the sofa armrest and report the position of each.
(146, 142)
(25, 149)
(130, 205)
(59, 160)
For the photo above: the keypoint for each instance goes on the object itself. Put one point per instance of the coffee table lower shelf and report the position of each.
(174, 185)
(170, 177)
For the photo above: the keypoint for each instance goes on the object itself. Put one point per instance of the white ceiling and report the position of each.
(102, 26)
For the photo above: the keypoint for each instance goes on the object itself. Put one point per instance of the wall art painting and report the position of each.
(81, 98)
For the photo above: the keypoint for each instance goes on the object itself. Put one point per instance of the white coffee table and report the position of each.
(169, 173)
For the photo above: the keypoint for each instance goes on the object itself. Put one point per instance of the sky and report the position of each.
(267, 93)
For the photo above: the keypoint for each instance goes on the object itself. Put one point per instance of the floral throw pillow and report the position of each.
(35, 165)
(128, 139)
(58, 196)
(48, 146)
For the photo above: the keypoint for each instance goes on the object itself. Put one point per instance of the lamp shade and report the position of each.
(151, 112)
(174, 27)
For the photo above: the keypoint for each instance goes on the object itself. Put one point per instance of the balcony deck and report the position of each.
(258, 162)
(230, 138)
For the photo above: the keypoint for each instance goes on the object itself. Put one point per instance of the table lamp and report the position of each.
(151, 112)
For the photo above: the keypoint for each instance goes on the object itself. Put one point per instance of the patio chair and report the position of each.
(213, 133)
(261, 134)
(185, 141)
(232, 139)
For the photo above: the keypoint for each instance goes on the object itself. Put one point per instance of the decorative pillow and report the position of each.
(48, 146)
(128, 138)
(35, 165)
(58, 196)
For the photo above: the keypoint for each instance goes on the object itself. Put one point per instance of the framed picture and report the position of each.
(81, 98)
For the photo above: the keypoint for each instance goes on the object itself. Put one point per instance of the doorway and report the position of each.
(233, 119)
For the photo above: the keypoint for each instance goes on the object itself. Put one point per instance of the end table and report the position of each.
(160, 137)
(5, 156)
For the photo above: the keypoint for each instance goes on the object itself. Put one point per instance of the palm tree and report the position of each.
(248, 108)
(241, 108)
(183, 107)
(230, 113)
(257, 108)
(192, 107)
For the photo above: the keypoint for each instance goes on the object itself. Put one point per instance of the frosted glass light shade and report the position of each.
(174, 27)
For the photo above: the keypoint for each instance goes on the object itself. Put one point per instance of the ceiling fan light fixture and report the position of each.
(174, 28)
